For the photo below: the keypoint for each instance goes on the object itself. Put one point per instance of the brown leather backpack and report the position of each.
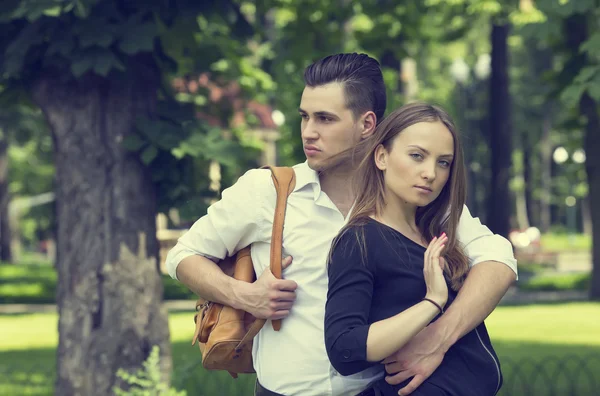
(225, 334)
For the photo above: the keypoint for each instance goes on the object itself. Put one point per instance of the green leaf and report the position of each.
(98, 34)
(586, 74)
(29, 36)
(594, 88)
(138, 38)
(592, 45)
(81, 66)
(149, 154)
(63, 46)
(83, 8)
(572, 94)
(105, 62)
(53, 12)
(133, 142)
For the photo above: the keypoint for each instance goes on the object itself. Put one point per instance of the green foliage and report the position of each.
(34, 282)
(557, 282)
(147, 381)
(75, 39)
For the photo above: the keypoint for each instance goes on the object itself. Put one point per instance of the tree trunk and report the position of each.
(5, 235)
(576, 33)
(109, 288)
(529, 180)
(546, 173)
(499, 199)
(589, 108)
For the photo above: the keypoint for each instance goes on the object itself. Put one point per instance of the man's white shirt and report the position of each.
(293, 361)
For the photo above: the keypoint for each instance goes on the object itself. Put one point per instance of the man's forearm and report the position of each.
(483, 289)
(207, 280)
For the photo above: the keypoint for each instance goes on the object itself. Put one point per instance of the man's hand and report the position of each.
(269, 297)
(419, 359)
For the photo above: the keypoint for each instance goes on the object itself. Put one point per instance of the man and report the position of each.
(343, 100)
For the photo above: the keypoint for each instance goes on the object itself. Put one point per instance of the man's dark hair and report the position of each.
(361, 76)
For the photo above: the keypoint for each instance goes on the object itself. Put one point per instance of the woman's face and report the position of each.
(417, 166)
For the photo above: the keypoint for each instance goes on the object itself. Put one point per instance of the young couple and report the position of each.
(391, 278)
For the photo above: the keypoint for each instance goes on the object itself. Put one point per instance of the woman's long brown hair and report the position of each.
(442, 215)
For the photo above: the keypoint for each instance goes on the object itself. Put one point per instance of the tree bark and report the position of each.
(546, 173)
(499, 199)
(576, 33)
(109, 288)
(589, 108)
(5, 235)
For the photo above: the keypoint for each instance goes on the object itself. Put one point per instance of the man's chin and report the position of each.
(314, 164)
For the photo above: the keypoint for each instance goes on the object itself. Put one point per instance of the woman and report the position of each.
(397, 263)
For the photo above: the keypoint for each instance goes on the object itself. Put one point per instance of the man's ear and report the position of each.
(380, 157)
(369, 122)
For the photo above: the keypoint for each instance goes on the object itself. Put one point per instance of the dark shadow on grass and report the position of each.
(28, 372)
(548, 369)
(529, 369)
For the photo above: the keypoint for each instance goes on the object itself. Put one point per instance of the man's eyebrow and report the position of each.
(325, 114)
(427, 152)
(319, 113)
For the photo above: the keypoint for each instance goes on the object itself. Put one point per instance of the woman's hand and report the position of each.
(437, 289)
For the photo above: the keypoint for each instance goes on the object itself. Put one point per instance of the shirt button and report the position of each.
(347, 354)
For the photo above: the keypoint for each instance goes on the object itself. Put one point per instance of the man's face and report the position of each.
(328, 126)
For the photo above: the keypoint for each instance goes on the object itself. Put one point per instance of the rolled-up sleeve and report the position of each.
(347, 308)
(230, 224)
(482, 245)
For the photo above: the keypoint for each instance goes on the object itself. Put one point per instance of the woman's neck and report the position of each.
(399, 215)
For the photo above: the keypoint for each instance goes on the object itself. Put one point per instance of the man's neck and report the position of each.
(338, 187)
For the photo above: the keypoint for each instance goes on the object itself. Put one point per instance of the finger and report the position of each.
(437, 250)
(442, 263)
(442, 239)
(279, 314)
(437, 256)
(281, 305)
(428, 251)
(286, 262)
(412, 385)
(398, 377)
(284, 296)
(393, 367)
(389, 359)
(285, 284)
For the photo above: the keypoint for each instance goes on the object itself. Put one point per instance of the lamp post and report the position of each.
(560, 157)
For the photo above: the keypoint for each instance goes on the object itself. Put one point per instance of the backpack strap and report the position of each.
(284, 179)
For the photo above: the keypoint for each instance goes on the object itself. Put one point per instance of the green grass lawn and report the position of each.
(559, 242)
(544, 350)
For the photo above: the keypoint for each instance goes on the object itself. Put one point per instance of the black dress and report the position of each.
(382, 282)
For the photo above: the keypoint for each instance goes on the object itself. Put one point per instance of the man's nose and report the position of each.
(310, 131)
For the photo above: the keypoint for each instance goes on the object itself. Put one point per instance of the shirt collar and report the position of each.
(305, 176)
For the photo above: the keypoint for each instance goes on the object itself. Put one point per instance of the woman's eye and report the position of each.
(416, 156)
(445, 164)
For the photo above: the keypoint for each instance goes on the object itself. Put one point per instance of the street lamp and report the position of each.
(560, 156)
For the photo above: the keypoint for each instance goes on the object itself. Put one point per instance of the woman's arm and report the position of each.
(350, 341)
(388, 335)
